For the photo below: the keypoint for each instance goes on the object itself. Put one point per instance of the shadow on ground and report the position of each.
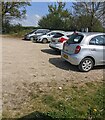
(99, 67)
(36, 116)
(50, 51)
(60, 63)
(26, 39)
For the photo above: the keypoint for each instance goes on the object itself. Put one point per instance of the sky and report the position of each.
(35, 13)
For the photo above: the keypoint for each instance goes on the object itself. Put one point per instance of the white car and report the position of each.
(47, 38)
(59, 39)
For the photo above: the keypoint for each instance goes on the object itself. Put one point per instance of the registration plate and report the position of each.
(65, 56)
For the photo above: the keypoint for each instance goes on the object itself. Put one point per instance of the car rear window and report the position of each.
(75, 39)
(41, 31)
(57, 35)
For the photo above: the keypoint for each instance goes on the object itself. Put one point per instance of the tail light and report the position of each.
(77, 50)
(62, 39)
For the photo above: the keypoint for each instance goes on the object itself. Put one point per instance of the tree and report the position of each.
(84, 21)
(12, 10)
(94, 10)
(58, 17)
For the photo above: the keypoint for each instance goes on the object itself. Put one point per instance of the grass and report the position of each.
(72, 101)
(81, 102)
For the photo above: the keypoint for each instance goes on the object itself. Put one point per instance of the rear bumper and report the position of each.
(73, 59)
(56, 46)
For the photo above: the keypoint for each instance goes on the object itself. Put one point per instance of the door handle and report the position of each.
(93, 49)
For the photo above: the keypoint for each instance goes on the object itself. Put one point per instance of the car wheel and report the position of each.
(33, 40)
(86, 65)
(44, 40)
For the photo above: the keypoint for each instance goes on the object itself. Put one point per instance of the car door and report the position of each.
(97, 49)
(49, 36)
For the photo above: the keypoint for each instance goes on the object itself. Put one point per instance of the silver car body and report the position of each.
(96, 52)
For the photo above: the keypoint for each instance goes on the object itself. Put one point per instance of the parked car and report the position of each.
(39, 34)
(59, 39)
(85, 50)
(30, 35)
(46, 38)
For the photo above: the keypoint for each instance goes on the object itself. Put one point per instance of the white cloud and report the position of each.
(29, 21)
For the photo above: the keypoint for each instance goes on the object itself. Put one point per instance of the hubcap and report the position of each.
(32, 38)
(87, 65)
(44, 41)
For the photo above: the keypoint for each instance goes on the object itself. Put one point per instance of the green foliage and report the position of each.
(58, 18)
(17, 30)
(84, 21)
(92, 14)
(86, 103)
(12, 10)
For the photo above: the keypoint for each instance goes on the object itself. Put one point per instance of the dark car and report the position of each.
(31, 35)
(39, 32)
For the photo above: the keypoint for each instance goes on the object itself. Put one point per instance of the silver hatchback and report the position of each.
(85, 50)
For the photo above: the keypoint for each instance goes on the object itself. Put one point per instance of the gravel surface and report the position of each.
(26, 63)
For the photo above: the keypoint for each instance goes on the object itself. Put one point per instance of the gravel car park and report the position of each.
(28, 68)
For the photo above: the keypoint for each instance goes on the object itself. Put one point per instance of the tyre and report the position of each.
(86, 65)
(44, 40)
(33, 40)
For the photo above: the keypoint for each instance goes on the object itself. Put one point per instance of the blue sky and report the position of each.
(36, 11)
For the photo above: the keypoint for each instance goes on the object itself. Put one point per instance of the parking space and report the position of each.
(25, 62)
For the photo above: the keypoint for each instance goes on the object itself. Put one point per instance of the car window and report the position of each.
(57, 35)
(98, 40)
(49, 34)
(41, 31)
(75, 38)
(68, 36)
(53, 33)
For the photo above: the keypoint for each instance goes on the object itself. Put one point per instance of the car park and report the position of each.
(85, 50)
(47, 38)
(59, 39)
(37, 32)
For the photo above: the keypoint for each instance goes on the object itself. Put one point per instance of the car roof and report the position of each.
(58, 31)
(43, 30)
(69, 32)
